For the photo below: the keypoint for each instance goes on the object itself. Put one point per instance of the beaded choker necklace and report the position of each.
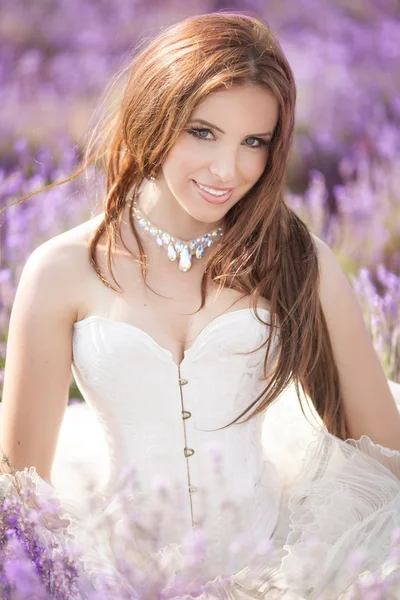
(176, 248)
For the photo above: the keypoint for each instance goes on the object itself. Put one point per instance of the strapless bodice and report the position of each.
(156, 414)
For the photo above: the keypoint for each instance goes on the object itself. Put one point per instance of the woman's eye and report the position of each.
(198, 132)
(260, 142)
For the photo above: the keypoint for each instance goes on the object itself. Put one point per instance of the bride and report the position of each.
(189, 305)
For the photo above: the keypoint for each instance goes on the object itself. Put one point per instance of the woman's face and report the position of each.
(224, 145)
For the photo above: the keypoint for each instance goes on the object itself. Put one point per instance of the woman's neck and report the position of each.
(163, 211)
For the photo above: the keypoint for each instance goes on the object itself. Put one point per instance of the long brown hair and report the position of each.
(266, 249)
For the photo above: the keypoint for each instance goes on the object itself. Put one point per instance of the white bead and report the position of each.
(171, 252)
(185, 259)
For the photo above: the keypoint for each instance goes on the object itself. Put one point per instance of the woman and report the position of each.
(189, 305)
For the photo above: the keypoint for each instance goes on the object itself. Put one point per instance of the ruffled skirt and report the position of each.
(337, 533)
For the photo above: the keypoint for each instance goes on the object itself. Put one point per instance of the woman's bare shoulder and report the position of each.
(64, 258)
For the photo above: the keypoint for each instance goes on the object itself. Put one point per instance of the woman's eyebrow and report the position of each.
(203, 122)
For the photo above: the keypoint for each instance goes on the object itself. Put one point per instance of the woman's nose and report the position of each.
(224, 167)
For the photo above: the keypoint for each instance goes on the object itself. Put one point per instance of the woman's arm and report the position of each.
(369, 406)
(38, 359)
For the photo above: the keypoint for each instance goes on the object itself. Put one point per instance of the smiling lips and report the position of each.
(213, 187)
(213, 195)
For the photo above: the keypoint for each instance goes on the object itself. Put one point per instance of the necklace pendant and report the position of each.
(200, 251)
(179, 246)
(171, 252)
(185, 259)
(176, 248)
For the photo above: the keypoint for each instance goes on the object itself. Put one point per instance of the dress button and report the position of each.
(186, 414)
(192, 489)
(188, 452)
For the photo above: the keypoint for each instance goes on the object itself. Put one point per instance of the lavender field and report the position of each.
(56, 58)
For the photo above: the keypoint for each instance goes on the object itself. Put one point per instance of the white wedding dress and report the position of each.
(276, 483)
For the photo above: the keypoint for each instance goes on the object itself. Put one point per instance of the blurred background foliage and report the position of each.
(56, 58)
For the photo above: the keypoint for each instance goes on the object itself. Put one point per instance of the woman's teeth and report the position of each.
(213, 192)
